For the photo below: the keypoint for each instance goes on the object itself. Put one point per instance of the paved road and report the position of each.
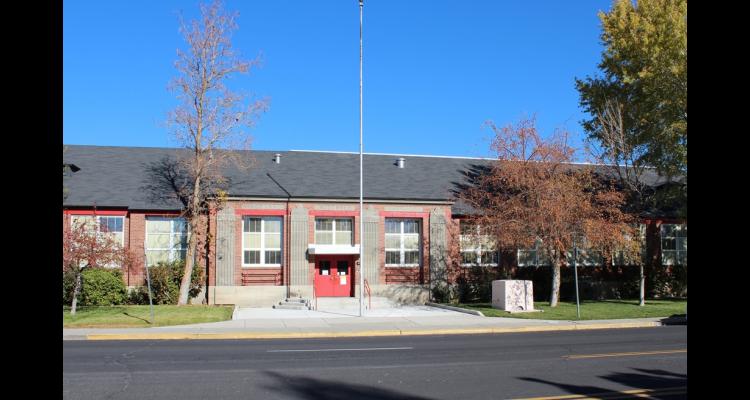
(518, 365)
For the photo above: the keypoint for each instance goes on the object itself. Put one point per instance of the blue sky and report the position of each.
(434, 71)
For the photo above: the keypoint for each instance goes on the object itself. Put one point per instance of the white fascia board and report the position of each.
(332, 249)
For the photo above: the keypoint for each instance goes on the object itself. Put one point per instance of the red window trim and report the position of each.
(260, 213)
(97, 212)
(333, 213)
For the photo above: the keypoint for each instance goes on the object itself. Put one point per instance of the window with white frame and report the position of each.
(586, 257)
(477, 249)
(673, 244)
(261, 241)
(104, 225)
(166, 239)
(539, 257)
(402, 242)
(333, 231)
(621, 258)
(534, 257)
(111, 226)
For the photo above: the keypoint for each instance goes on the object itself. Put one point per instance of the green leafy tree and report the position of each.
(644, 73)
(638, 107)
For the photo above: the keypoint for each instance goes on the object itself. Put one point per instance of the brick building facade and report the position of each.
(291, 224)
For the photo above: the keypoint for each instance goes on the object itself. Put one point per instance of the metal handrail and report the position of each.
(369, 295)
(315, 295)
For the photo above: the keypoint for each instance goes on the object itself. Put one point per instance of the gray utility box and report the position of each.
(513, 295)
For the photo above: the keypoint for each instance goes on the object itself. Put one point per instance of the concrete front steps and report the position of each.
(352, 303)
(295, 303)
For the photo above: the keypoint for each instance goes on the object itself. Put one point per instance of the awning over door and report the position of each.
(332, 249)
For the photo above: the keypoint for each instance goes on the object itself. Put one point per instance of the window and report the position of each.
(586, 257)
(620, 258)
(674, 244)
(166, 239)
(477, 249)
(105, 225)
(538, 257)
(534, 257)
(333, 231)
(402, 242)
(261, 241)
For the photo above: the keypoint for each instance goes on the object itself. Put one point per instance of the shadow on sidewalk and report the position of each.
(676, 319)
(319, 389)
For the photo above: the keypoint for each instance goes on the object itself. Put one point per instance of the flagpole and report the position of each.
(361, 213)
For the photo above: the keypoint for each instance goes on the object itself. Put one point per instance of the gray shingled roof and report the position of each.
(118, 176)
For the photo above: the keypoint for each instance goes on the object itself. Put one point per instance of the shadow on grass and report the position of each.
(133, 316)
(654, 379)
(634, 302)
(608, 301)
(319, 389)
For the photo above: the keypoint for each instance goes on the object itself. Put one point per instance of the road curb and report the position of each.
(457, 309)
(370, 333)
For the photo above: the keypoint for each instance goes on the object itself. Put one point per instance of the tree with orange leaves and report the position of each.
(534, 193)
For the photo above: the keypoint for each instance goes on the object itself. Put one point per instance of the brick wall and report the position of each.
(134, 233)
(389, 275)
(136, 239)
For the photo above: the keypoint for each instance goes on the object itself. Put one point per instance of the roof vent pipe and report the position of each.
(401, 162)
(277, 158)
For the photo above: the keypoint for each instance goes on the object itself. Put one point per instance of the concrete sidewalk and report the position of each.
(275, 325)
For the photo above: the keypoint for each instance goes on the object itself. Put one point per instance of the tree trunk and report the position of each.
(555, 295)
(207, 250)
(192, 243)
(188, 272)
(642, 280)
(76, 291)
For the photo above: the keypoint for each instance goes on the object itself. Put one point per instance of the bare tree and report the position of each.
(533, 193)
(624, 153)
(211, 119)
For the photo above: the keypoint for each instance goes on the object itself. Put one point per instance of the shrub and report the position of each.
(667, 281)
(138, 296)
(475, 284)
(68, 286)
(442, 294)
(165, 283)
(164, 289)
(102, 287)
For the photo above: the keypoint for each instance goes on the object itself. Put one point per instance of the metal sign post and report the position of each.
(575, 272)
(361, 212)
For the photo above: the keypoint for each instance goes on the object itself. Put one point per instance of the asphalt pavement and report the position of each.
(607, 363)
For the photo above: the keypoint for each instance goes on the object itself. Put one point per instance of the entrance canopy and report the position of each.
(332, 249)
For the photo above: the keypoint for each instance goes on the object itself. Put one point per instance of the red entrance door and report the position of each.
(333, 276)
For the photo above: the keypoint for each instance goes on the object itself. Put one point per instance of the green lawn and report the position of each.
(605, 309)
(138, 316)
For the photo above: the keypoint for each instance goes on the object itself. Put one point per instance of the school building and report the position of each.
(291, 224)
